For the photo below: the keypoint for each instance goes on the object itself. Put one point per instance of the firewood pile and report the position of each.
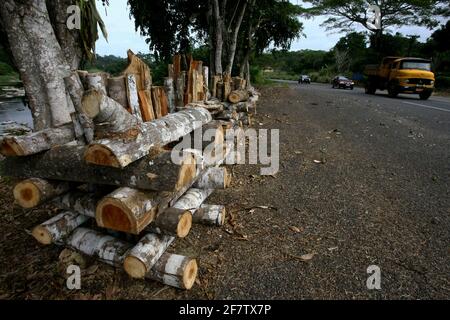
(123, 199)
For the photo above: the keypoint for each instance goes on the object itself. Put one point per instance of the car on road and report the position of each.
(304, 79)
(401, 75)
(342, 82)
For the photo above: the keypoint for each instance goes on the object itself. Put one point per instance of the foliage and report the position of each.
(343, 15)
(90, 19)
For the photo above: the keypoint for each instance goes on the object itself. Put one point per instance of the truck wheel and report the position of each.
(392, 90)
(425, 95)
(370, 89)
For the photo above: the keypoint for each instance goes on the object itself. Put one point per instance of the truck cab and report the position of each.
(401, 75)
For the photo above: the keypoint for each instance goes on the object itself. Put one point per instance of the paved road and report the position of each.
(381, 196)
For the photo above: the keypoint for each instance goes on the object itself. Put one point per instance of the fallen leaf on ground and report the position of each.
(332, 249)
(307, 257)
(318, 161)
(295, 229)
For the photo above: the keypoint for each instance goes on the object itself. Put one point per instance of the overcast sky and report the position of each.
(122, 35)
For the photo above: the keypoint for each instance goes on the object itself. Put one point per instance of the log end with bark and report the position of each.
(42, 235)
(122, 211)
(33, 192)
(101, 155)
(10, 148)
(175, 222)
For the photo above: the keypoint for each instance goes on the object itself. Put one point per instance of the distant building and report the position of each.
(268, 70)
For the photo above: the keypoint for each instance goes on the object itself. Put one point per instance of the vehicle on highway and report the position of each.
(401, 75)
(304, 79)
(342, 82)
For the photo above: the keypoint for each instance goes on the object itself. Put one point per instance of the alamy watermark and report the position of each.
(241, 146)
(73, 282)
(374, 280)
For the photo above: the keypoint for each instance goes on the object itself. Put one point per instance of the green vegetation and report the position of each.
(353, 52)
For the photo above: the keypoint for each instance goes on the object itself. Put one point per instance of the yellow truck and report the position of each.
(401, 75)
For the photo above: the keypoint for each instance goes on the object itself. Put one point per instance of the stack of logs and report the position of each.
(111, 170)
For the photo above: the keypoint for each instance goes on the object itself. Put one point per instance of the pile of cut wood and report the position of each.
(111, 171)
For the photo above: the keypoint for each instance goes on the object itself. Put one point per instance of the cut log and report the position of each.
(57, 229)
(193, 199)
(206, 82)
(112, 120)
(210, 215)
(227, 115)
(227, 84)
(170, 93)
(160, 102)
(180, 89)
(79, 202)
(215, 81)
(117, 90)
(76, 91)
(145, 101)
(238, 96)
(133, 97)
(171, 269)
(175, 271)
(238, 83)
(153, 172)
(173, 222)
(220, 90)
(33, 192)
(214, 178)
(158, 133)
(140, 69)
(131, 211)
(104, 247)
(97, 81)
(36, 142)
(142, 257)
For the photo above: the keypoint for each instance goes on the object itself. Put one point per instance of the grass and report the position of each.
(281, 75)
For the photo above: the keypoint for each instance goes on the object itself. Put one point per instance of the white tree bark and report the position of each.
(141, 259)
(157, 133)
(57, 229)
(210, 215)
(40, 61)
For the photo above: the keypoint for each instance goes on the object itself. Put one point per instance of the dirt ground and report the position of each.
(359, 184)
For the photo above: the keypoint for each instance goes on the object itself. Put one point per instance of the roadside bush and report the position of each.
(442, 82)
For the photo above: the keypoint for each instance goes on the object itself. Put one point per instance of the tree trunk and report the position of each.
(57, 229)
(97, 81)
(218, 32)
(158, 133)
(143, 257)
(69, 40)
(154, 172)
(32, 192)
(40, 60)
(232, 41)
